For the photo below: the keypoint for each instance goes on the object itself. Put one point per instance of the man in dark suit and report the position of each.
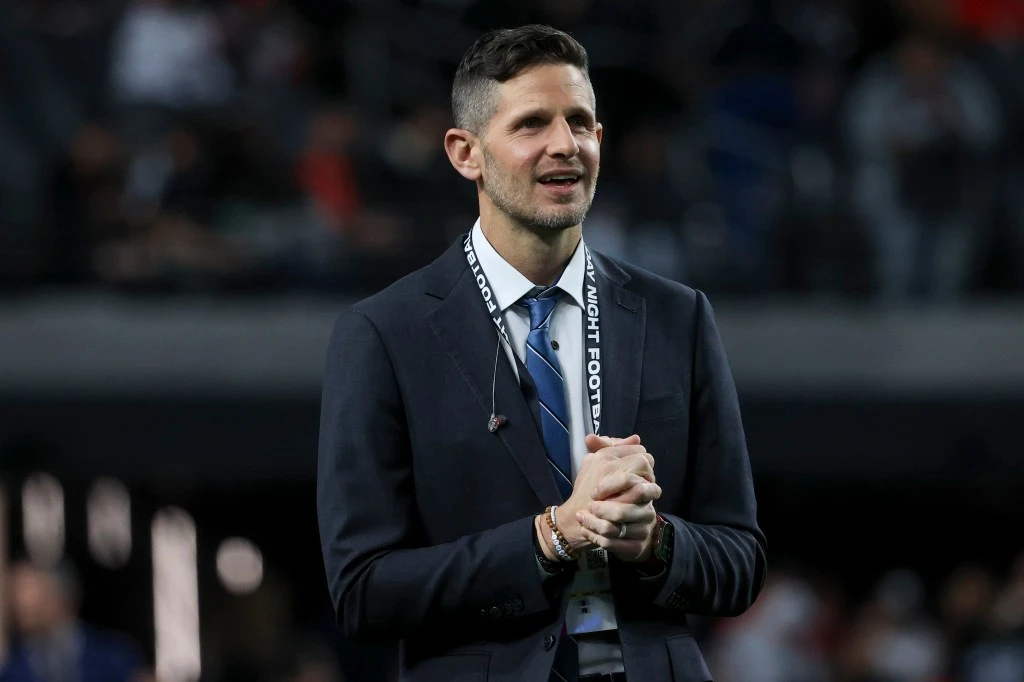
(476, 497)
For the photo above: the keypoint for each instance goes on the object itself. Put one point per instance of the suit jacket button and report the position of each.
(517, 605)
(483, 613)
(549, 642)
(495, 612)
(506, 608)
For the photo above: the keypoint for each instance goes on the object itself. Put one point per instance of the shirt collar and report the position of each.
(509, 285)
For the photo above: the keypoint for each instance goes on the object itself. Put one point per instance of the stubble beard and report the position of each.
(517, 201)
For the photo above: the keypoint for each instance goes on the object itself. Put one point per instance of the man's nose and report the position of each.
(562, 142)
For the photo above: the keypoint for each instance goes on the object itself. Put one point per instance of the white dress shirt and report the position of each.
(509, 285)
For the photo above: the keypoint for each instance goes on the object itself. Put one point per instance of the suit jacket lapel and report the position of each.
(622, 347)
(463, 325)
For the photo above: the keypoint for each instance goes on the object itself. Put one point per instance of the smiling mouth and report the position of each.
(560, 180)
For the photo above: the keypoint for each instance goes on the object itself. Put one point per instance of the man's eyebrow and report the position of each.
(582, 111)
(541, 112)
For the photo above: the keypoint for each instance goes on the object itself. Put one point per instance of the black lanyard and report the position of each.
(591, 324)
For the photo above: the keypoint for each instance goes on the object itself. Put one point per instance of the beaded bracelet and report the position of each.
(561, 544)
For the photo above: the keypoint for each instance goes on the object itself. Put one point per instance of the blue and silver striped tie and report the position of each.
(542, 363)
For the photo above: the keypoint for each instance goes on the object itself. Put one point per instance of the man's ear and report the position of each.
(459, 144)
(599, 130)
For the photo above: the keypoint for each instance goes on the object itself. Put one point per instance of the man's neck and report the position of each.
(539, 257)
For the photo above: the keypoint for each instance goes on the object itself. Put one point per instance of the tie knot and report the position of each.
(541, 304)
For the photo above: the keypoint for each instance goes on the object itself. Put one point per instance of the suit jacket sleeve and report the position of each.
(384, 580)
(719, 556)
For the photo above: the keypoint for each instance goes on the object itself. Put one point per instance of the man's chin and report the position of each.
(571, 212)
(557, 218)
(557, 222)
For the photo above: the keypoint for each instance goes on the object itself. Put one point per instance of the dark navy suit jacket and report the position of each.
(426, 518)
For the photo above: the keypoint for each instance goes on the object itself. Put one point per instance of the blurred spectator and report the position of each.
(922, 125)
(336, 162)
(327, 170)
(965, 604)
(86, 203)
(53, 644)
(268, 47)
(795, 632)
(999, 657)
(75, 34)
(412, 157)
(408, 226)
(267, 42)
(777, 640)
(994, 661)
(168, 56)
(752, 118)
(650, 207)
(892, 639)
(173, 243)
(998, 27)
(189, 190)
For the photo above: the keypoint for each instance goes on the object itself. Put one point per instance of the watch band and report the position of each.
(661, 554)
(666, 541)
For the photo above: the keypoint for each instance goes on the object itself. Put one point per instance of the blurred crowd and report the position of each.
(808, 147)
(253, 639)
(803, 628)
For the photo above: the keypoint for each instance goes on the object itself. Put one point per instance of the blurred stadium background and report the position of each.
(191, 191)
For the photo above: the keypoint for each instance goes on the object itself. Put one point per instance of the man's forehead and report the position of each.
(547, 84)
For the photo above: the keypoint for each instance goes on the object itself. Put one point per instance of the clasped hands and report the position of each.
(611, 505)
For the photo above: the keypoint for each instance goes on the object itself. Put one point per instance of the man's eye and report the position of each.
(530, 123)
